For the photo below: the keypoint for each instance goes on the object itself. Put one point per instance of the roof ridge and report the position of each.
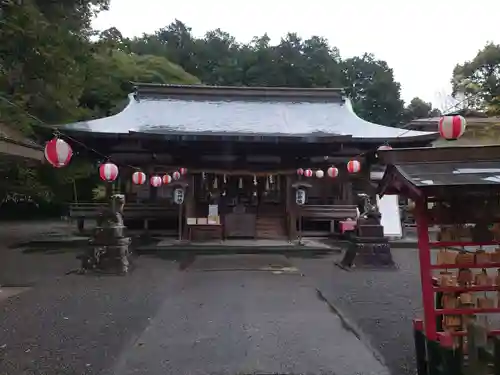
(158, 89)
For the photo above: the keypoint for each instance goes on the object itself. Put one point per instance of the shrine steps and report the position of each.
(270, 227)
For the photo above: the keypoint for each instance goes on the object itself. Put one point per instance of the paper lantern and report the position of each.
(167, 179)
(300, 172)
(176, 175)
(384, 148)
(353, 166)
(139, 178)
(183, 171)
(58, 152)
(332, 172)
(452, 127)
(108, 172)
(308, 173)
(319, 173)
(155, 181)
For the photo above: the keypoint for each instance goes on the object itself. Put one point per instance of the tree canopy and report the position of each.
(478, 80)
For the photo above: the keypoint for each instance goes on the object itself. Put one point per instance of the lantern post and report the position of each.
(300, 199)
(178, 198)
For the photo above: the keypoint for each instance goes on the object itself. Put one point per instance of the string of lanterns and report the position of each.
(59, 153)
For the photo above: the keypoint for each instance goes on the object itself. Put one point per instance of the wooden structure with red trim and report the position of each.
(450, 186)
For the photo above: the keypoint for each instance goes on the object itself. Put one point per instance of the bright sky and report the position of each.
(420, 40)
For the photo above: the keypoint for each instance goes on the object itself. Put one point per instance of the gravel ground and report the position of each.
(380, 303)
(80, 324)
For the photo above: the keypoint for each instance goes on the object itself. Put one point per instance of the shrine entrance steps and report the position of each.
(270, 223)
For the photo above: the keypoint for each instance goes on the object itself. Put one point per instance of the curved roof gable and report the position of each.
(242, 111)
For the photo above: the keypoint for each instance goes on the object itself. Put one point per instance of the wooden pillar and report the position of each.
(292, 218)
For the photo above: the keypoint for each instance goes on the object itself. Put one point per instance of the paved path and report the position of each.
(234, 322)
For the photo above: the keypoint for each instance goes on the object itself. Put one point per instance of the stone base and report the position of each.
(368, 254)
(108, 259)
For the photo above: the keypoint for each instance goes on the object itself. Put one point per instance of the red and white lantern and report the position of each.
(452, 127)
(353, 166)
(319, 173)
(332, 172)
(176, 175)
(58, 152)
(183, 171)
(308, 173)
(108, 172)
(167, 179)
(300, 172)
(155, 181)
(384, 148)
(139, 178)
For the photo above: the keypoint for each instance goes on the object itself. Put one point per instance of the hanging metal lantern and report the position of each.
(452, 127)
(308, 173)
(139, 178)
(319, 173)
(300, 172)
(353, 166)
(183, 171)
(166, 179)
(155, 181)
(176, 175)
(108, 172)
(58, 152)
(384, 148)
(332, 172)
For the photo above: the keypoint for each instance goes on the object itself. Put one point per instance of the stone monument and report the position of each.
(109, 248)
(367, 246)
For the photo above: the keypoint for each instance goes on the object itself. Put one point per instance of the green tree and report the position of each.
(419, 109)
(372, 87)
(479, 80)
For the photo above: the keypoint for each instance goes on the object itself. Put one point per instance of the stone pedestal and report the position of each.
(109, 248)
(368, 252)
(368, 247)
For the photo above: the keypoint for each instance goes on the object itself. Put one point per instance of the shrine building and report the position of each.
(241, 148)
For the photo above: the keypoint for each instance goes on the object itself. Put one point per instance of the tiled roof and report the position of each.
(241, 112)
(448, 173)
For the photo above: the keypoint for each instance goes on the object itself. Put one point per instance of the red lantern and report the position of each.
(176, 175)
(167, 179)
(108, 172)
(183, 171)
(384, 148)
(58, 152)
(332, 172)
(139, 178)
(319, 173)
(452, 127)
(353, 166)
(155, 181)
(308, 173)
(300, 172)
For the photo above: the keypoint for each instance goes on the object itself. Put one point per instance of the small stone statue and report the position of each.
(109, 247)
(369, 211)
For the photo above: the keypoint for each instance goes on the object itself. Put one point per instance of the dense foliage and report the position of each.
(478, 80)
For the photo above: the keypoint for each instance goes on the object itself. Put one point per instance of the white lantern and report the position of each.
(320, 173)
